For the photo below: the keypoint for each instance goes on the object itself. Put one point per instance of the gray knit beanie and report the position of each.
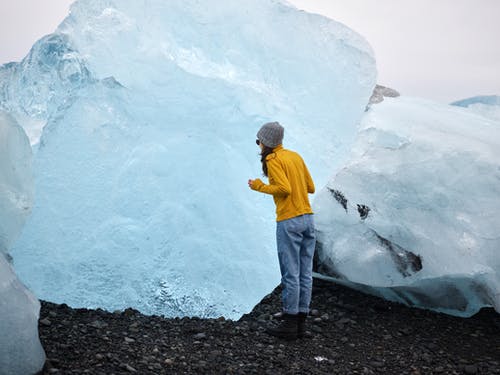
(271, 134)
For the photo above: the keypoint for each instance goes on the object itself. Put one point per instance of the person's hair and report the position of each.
(265, 151)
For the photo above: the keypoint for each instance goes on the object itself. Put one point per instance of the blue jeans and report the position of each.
(296, 241)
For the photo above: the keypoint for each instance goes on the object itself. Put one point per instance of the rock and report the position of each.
(130, 312)
(316, 329)
(98, 324)
(264, 317)
(405, 331)
(129, 368)
(470, 369)
(45, 322)
(376, 364)
(166, 345)
(379, 92)
(343, 321)
(427, 358)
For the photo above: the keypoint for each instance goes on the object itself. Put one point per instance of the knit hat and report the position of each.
(271, 134)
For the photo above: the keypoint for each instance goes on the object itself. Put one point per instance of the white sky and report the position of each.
(438, 49)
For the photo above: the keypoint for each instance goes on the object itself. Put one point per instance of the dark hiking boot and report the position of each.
(287, 329)
(301, 325)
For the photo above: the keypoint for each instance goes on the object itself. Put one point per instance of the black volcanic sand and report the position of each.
(349, 333)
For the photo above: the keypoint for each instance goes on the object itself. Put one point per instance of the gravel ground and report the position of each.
(348, 333)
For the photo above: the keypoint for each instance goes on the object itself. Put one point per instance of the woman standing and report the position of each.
(289, 184)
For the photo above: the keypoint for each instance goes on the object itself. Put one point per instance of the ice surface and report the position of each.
(20, 349)
(487, 106)
(152, 110)
(426, 178)
(16, 182)
(49, 76)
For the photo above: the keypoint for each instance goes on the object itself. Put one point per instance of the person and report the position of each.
(289, 184)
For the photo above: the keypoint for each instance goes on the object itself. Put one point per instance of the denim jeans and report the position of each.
(296, 241)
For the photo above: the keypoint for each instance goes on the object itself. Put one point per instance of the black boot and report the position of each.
(301, 325)
(287, 329)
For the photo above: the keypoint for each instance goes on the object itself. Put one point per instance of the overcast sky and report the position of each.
(438, 49)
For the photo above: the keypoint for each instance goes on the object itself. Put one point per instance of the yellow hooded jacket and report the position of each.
(289, 183)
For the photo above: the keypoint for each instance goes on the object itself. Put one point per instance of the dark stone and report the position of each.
(363, 211)
(339, 197)
(405, 260)
(470, 369)
(421, 341)
(45, 322)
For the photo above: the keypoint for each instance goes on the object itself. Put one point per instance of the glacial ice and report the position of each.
(486, 105)
(16, 183)
(150, 111)
(47, 77)
(413, 216)
(20, 349)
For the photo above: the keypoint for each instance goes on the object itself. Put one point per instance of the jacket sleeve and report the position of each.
(309, 181)
(278, 182)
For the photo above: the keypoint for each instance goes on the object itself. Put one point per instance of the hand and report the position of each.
(250, 182)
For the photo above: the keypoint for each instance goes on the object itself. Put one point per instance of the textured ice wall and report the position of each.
(33, 89)
(20, 349)
(151, 117)
(426, 232)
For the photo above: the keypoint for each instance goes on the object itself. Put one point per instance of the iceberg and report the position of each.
(149, 113)
(486, 105)
(20, 349)
(413, 216)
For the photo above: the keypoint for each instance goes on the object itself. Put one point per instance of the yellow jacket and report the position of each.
(289, 183)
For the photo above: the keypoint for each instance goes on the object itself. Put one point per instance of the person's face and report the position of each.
(259, 143)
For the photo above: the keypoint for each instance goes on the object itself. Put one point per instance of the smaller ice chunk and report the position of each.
(481, 99)
(16, 180)
(413, 217)
(20, 349)
(487, 105)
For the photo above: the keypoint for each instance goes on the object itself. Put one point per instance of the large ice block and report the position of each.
(413, 216)
(142, 167)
